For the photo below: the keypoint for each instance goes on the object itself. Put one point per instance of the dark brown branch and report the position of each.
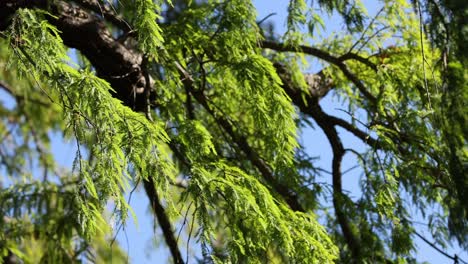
(119, 65)
(311, 107)
(337, 61)
(163, 220)
(189, 105)
(355, 80)
(318, 53)
(9, 7)
(354, 56)
(318, 89)
(363, 136)
(338, 197)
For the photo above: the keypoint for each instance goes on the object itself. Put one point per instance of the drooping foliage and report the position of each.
(200, 105)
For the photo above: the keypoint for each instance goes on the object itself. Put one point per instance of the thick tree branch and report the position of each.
(119, 65)
(9, 7)
(106, 12)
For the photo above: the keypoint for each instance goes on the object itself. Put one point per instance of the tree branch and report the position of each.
(318, 53)
(363, 136)
(9, 7)
(163, 220)
(337, 61)
(318, 90)
(328, 128)
(310, 106)
(114, 62)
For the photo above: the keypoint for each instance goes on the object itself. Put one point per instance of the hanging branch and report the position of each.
(163, 220)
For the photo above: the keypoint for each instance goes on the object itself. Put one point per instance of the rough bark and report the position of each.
(119, 65)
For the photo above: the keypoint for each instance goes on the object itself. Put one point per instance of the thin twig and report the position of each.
(190, 235)
(434, 246)
(365, 30)
(265, 18)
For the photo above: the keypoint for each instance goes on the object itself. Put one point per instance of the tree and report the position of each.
(202, 105)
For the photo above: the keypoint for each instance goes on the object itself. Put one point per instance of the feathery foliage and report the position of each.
(201, 105)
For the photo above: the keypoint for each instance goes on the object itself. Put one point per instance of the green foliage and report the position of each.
(114, 135)
(226, 128)
(254, 218)
(149, 33)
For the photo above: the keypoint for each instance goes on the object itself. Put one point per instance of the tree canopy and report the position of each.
(202, 104)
